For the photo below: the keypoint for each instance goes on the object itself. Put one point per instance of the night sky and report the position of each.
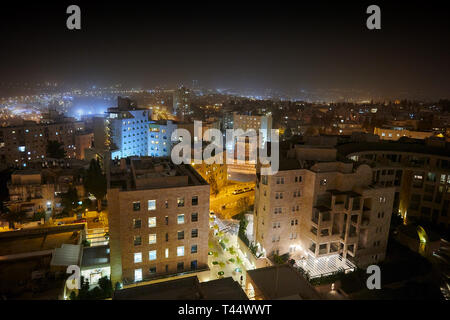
(284, 46)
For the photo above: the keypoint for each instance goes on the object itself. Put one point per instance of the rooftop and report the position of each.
(42, 239)
(96, 256)
(282, 282)
(323, 266)
(143, 173)
(184, 289)
(417, 147)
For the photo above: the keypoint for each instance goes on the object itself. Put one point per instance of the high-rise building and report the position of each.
(316, 206)
(159, 140)
(127, 129)
(158, 219)
(181, 102)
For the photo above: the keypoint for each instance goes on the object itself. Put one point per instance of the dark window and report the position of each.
(195, 200)
(194, 248)
(137, 240)
(137, 223)
(136, 206)
(152, 270)
(180, 266)
(180, 235)
(194, 265)
(194, 217)
(166, 219)
(194, 233)
(167, 237)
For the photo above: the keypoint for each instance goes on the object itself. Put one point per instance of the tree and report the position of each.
(55, 150)
(95, 182)
(244, 203)
(39, 215)
(106, 286)
(212, 180)
(69, 199)
(287, 133)
(13, 215)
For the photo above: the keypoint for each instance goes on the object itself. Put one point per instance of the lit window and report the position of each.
(138, 257)
(152, 238)
(151, 204)
(180, 251)
(180, 202)
(137, 274)
(166, 252)
(152, 255)
(180, 219)
(151, 222)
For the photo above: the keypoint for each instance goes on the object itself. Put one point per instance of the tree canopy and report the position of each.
(55, 150)
(95, 182)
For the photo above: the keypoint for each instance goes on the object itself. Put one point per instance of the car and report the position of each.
(80, 221)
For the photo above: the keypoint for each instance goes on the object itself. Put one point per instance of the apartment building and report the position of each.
(39, 188)
(393, 133)
(316, 206)
(19, 145)
(419, 172)
(255, 122)
(83, 141)
(158, 219)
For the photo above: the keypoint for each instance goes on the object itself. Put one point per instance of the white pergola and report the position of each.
(323, 266)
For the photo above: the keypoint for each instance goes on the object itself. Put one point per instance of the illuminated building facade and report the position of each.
(19, 145)
(159, 138)
(318, 207)
(127, 129)
(158, 219)
(420, 174)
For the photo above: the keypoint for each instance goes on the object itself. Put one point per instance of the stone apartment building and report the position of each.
(40, 187)
(419, 172)
(158, 219)
(316, 206)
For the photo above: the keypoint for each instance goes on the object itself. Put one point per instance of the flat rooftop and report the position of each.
(97, 256)
(14, 243)
(282, 282)
(417, 147)
(184, 289)
(142, 173)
